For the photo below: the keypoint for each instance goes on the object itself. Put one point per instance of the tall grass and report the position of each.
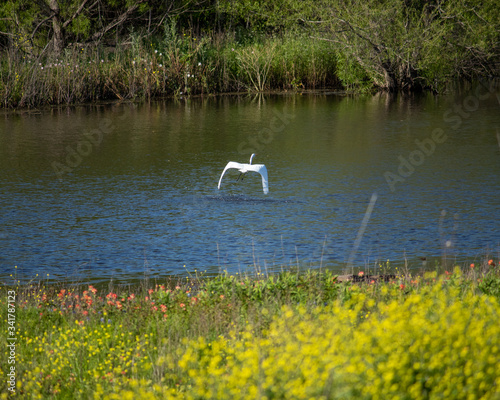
(175, 64)
(289, 335)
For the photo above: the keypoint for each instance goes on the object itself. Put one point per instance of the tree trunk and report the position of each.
(391, 82)
(58, 38)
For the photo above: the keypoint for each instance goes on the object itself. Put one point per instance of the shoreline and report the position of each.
(383, 273)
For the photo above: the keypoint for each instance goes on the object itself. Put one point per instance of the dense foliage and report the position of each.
(390, 44)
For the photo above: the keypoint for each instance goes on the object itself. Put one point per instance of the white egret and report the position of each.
(244, 168)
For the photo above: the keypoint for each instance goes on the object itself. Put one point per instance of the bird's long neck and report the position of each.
(251, 158)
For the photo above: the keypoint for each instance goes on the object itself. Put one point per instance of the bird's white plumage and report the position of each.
(244, 168)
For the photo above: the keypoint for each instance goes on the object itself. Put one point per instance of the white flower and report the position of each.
(199, 64)
(156, 51)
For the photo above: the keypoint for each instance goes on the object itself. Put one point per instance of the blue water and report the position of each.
(141, 198)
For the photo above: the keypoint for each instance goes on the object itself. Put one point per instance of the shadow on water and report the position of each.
(238, 198)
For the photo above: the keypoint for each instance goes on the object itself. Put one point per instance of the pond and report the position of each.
(125, 190)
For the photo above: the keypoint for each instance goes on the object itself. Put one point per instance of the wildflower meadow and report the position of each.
(291, 335)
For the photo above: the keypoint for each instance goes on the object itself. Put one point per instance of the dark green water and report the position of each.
(124, 190)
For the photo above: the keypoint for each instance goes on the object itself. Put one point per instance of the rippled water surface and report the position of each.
(127, 190)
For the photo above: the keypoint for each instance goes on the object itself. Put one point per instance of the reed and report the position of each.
(173, 65)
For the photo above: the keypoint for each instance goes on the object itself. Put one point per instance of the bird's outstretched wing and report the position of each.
(262, 170)
(230, 164)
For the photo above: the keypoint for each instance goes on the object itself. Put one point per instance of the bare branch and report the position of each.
(40, 24)
(117, 21)
(77, 13)
(375, 46)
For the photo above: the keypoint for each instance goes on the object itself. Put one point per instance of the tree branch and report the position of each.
(117, 21)
(41, 23)
(7, 34)
(375, 46)
(77, 13)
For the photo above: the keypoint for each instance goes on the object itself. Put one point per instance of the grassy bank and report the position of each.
(176, 64)
(297, 336)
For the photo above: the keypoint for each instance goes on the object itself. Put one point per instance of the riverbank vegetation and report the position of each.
(290, 335)
(73, 51)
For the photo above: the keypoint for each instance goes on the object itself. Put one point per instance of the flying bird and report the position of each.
(244, 168)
